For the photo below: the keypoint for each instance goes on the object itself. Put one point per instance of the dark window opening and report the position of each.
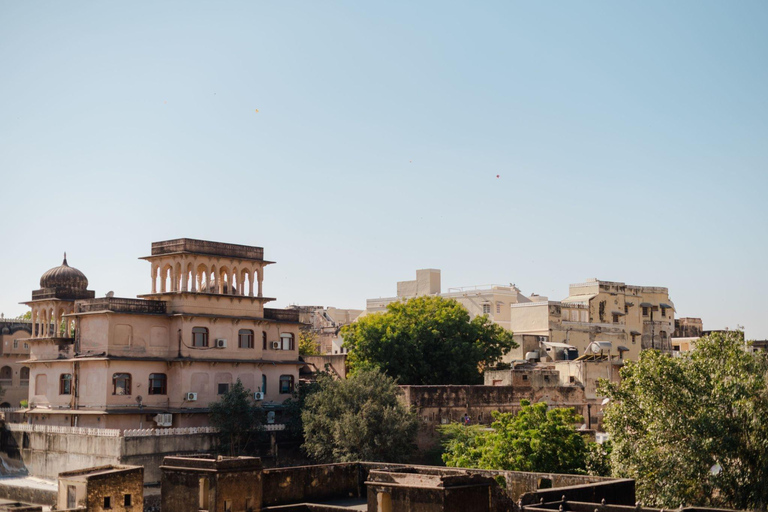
(223, 388)
(158, 384)
(615, 318)
(645, 311)
(107, 502)
(525, 377)
(264, 340)
(121, 384)
(65, 384)
(127, 500)
(286, 384)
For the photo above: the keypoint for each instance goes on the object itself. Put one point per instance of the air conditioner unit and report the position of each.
(258, 396)
(276, 345)
(164, 420)
(221, 343)
(191, 397)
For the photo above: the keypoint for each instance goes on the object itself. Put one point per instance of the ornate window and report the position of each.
(158, 384)
(245, 338)
(199, 337)
(121, 384)
(65, 384)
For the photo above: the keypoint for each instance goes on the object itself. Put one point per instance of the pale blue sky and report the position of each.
(630, 140)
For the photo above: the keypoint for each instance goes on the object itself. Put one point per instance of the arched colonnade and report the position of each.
(203, 277)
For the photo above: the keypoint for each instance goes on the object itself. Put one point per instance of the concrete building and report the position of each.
(491, 300)
(631, 318)
(159, 360)
(14, 349)
(104, 488)
(326, 323)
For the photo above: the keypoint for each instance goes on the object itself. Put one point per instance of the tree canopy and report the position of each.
(534, 439)
(426, 340)
(693, 429)
(308, 343)
(238, 419)
(360, 418)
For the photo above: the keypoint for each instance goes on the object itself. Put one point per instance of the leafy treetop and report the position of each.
(426, 340)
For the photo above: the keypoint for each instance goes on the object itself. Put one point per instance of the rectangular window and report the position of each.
(498, 308)
(15, 343)
(107, 502)
(127, 500)
(65, 384)
(26, 346)
(645, 311)
(223, 387)
(615, 318)
(245, 338)
(157, 384)
(199, 337)
(264, 340)
(486, 309)
(286, 384)
(525, 377)
(663, 311)
(572, 379)
(264, 384)
(286, 341)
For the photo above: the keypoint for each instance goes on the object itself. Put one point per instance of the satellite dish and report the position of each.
(110, 294)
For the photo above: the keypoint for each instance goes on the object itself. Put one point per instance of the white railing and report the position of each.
(116, 432)
(149, 432)
(53, 429)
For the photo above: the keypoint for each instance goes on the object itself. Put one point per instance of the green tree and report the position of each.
(426, 340)
(308, 343)
(534, 439)
(238, 419)
(693, 429)
(360, 418)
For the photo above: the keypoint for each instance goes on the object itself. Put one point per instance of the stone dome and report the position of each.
(64, 276)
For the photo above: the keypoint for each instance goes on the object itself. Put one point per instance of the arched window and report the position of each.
(286, 341)
(264, 340)
(245, 338)
(24, 376)
(199, 337)
(286, 384)
(6, 373)
(157, 384)
(65, 384)
(121, 384)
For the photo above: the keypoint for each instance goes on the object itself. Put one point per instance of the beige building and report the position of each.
(491, 300)
(630, 318)
(159, 360)
(14, 349)
(326, 323)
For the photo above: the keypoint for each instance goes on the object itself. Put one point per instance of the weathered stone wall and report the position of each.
(116, 486)
(312, 483)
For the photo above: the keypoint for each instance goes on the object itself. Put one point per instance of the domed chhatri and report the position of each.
(64, 276)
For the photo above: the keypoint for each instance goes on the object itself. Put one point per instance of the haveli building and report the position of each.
(160, 359)
(14, 349)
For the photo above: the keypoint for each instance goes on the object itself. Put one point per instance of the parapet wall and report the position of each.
(45, 454)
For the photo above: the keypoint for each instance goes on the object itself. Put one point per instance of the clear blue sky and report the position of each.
(630, 140)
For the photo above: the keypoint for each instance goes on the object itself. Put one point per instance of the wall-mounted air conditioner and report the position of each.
(164, 420)
(275, 345)
(258, 396)
(221, 343)
(191, 397)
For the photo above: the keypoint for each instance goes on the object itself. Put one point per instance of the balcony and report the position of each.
(118, 305)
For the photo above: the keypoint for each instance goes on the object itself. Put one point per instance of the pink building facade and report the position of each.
(159, 360)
